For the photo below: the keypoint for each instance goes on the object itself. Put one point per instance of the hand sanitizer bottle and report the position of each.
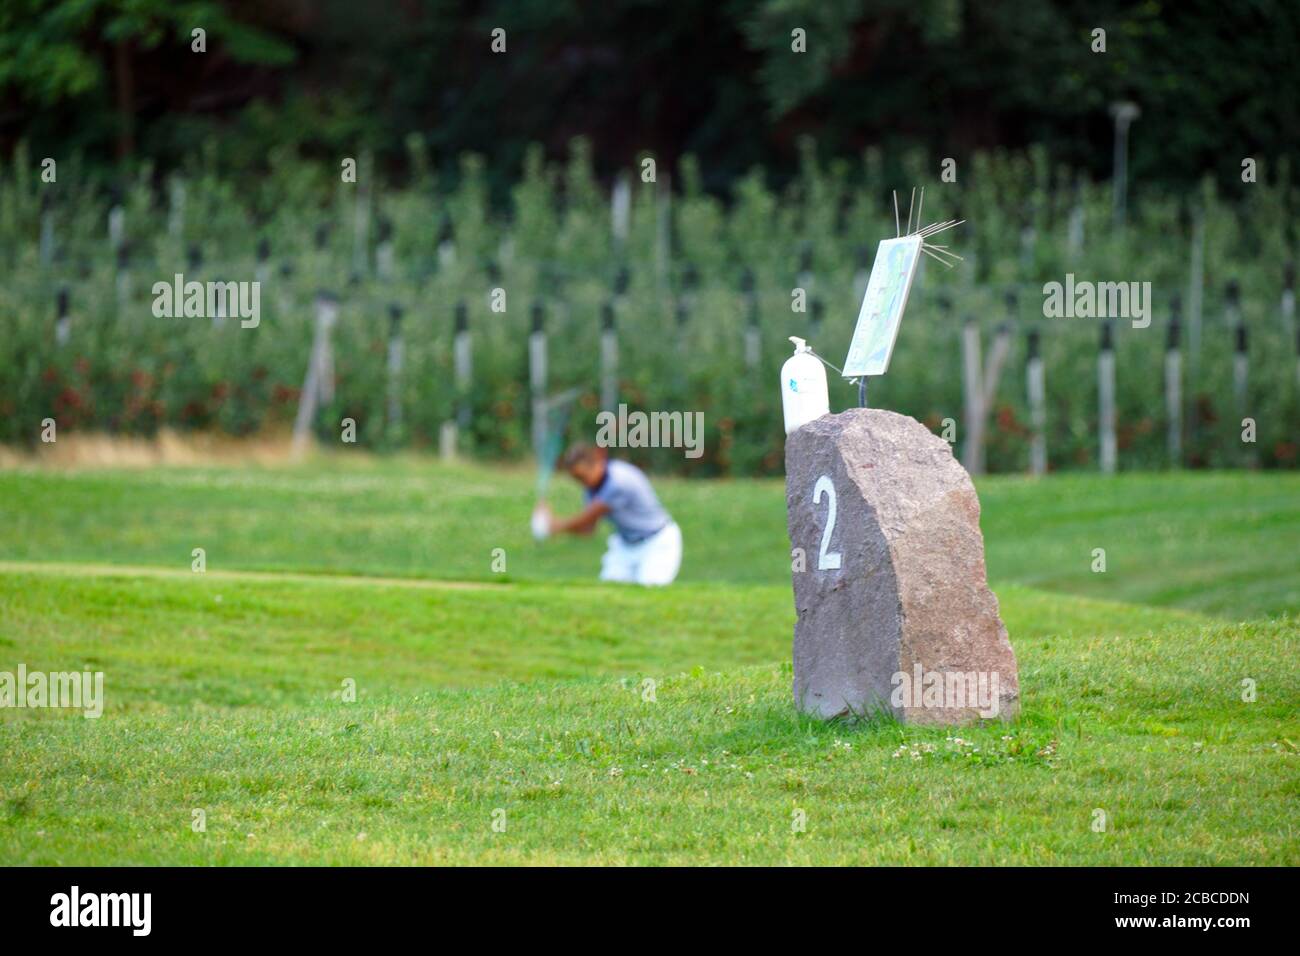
(803, 387)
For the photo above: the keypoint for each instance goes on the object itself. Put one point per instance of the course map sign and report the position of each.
(882, 306)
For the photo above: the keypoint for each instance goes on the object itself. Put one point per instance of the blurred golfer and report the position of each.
(646, 546)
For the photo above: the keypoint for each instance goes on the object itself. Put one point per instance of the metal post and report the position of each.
(447, 438)
(394, 366)
(1106, 399)
(361, 217)
(622, 282)
(464, 366)
(176, 213)
(116, 227)
(1288, 298)
(608, 359)
(1074, 238)
(317, 384)
(753, 338)
(63, 323)
(690, 284)
(283, 290)
(1241, 391)
(1297, 357)
(1240, 370)
(972, 414)
(1124, 114)
(219, 316)
(446, 243)
(620, 210)
(1232, 303)
(262, 271)
(537, 374)
(682, 310)
(1035, 385)
(1174, 384)
(663, 229)
(384, 254)
(462, 361)
(681, 371)
(1196, 285)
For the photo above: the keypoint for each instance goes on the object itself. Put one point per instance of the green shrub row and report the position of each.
(681, 310)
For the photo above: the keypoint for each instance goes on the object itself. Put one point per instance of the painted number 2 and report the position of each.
(826, 560)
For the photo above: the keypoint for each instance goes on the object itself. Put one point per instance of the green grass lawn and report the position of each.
(521, 697)
(1224, 543)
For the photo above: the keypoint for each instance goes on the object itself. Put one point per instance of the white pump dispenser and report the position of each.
(803, 387)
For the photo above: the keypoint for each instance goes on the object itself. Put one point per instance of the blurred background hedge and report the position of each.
(486, 169)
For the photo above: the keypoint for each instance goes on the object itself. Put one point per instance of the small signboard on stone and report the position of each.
(882, 306)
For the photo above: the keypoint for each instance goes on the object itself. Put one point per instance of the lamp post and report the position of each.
(1124, 113)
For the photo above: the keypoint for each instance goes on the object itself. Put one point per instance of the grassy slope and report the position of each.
(232, 705)
(1227, 544)
(1140, 706)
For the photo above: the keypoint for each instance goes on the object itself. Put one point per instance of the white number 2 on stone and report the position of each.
(826, 560)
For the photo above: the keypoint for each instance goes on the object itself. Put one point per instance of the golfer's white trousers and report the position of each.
(652, 561)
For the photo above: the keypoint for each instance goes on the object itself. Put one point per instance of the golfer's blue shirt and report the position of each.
(634, 510)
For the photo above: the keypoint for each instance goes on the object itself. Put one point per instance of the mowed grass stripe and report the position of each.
(250, 639)
(203, 639)
(78, 569)
(1149, 727)
(1225, 543)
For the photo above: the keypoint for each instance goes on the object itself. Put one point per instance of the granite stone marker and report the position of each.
(894, 608)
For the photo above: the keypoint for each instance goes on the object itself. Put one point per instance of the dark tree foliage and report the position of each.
(117, 79)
